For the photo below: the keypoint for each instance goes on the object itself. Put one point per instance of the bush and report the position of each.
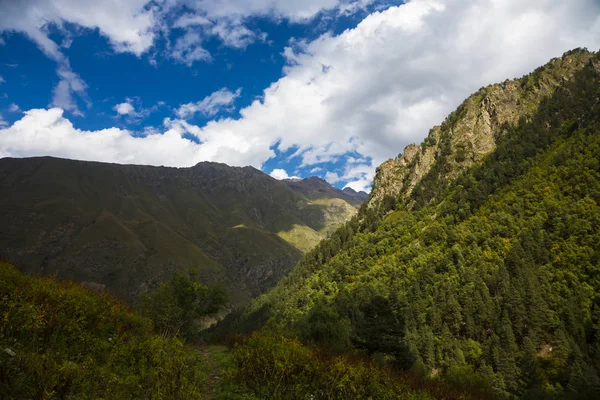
(277, 367)
(61, 340)
(177, 305)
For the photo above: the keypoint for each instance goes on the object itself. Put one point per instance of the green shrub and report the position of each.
(177, 305)
(277, 367)
(61, 340)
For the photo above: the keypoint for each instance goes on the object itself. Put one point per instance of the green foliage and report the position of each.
(277, 367)
(68, 342)
(325, 327)
(492, 279)
(176, 306)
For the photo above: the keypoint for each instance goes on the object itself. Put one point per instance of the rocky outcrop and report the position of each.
(471, 132)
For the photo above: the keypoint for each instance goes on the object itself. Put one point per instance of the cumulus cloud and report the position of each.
(189, 19)
(281, 174)
(290, 9)
(367, 92)
(134, 111)
(226, 20)
(14, 108)
(128, 26)
(48, 132)
(188, 49)
(221, 100)
(124, 108)
(70, 83)
(378, 87)
(332, 177)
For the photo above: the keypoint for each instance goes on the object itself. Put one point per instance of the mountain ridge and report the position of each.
(130, 226)
(452, 147)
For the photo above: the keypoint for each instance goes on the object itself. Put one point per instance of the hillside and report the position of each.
(61, 340)
(129, 227)
(478, 256)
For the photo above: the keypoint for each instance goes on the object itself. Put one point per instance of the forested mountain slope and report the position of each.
(487, 269)
(128, 227)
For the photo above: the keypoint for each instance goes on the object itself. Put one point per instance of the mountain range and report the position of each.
(127, 227)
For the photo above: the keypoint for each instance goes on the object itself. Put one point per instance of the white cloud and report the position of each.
(378, 87)
(14, 108)
(133, 25)
(134, 111)
(362, 185)
(128, 25)
(221, 100)
(47, 132)
(2, 124)
(291, 9)
(124, 108)
(281, 174)
(332, 177)
(70, 83)
(189, 19)
(188, 49)
(2, 80)
(235, 34)
(226, 20)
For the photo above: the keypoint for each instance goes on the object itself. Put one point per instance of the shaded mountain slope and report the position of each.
(315, 188)
(482, 271)
(128, 227)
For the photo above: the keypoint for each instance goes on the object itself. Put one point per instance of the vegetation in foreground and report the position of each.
(60, 340)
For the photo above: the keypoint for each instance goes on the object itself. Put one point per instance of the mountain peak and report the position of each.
(470, 133)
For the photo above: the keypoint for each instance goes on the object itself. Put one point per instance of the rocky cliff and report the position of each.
(470, 133)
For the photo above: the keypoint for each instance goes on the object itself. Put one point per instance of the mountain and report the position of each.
(470, 133)
(477, 258)
(128, 227)
(315, 188)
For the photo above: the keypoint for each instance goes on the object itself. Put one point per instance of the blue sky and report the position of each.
(323, 87)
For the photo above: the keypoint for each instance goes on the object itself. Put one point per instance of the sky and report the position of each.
(328, 88)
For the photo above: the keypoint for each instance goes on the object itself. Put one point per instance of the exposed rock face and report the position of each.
(471, 132)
